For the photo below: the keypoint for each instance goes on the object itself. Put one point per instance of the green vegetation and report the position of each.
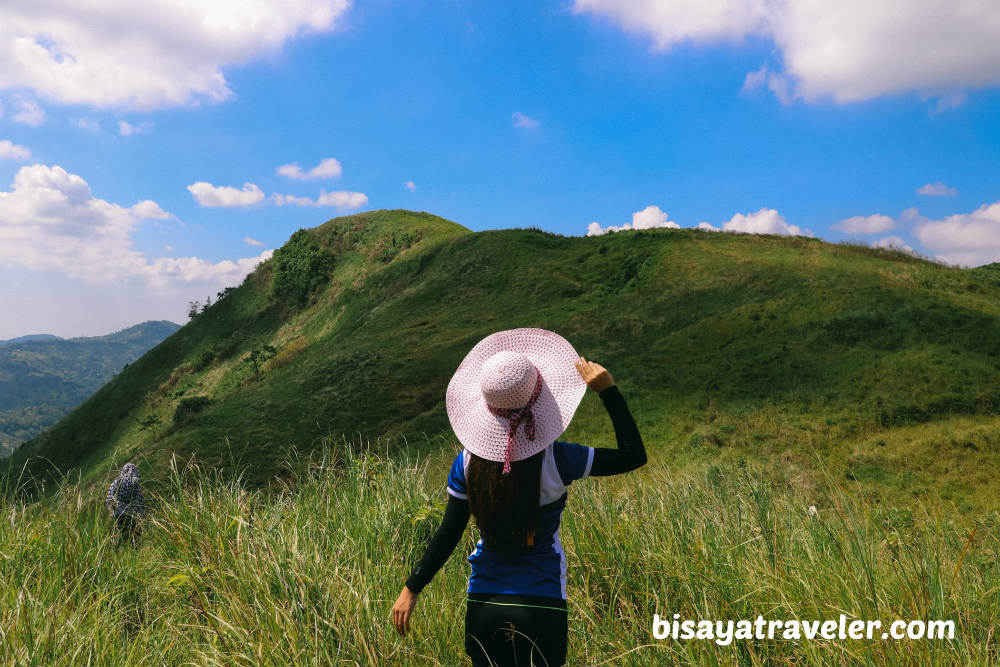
(226, 575)
(42, 377)
(767, 375)
(301, 267)
(788, 352)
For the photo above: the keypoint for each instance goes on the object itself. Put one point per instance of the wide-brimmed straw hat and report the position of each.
(514, 394)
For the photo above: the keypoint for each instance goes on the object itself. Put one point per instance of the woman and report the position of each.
(126, 504)
(509, 400)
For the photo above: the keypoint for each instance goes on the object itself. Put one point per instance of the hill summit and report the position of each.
(725, 345)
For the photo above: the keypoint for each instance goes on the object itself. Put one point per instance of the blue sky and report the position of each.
(842, 120)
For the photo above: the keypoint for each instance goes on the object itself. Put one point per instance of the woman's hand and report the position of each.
(401, 611)
(596, 376)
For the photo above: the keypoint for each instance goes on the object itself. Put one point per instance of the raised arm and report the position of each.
(456, 517)
(630, 453)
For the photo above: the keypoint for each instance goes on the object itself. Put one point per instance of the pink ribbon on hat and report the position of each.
(516, 416)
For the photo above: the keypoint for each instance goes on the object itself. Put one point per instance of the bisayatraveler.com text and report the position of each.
(724, 632)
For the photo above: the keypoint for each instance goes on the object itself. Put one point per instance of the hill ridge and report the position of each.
(725, 345)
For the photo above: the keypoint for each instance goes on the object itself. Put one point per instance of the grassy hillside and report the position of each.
(877, 366)
(229, 576)
(42, 377)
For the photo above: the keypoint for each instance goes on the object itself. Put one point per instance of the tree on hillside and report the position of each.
(258, 355)
(194, 307)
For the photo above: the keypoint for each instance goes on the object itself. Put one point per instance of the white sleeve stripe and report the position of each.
(456, 493)
(590, 462)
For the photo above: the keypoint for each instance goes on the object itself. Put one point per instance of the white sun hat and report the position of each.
(514, 394)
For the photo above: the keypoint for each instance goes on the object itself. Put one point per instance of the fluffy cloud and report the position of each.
(146, 55)
(967, 239)
(327, 168)
(764, 221)
(250, 241)
(210, 195)
(893, 243)
(127, 129)
(648, 218)
(849, 50)
(51, 221)
(527, 122)
(871, 224)
(937, 189)
(410, 185)
(11, 151)
(27, 111)
(169, 270)
(343, 200)
(149, 210)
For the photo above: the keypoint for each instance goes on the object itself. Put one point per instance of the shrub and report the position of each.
(301, 267)
(189, 407)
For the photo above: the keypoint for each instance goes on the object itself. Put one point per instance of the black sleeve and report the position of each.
(630, 453)
(456, 517)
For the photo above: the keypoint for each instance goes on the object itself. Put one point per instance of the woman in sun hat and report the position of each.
(512, 396)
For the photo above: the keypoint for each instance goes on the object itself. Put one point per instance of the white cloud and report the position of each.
(50, 221)
(146, 55)
(520, 120)
(775, 82)
(967, 239)
(937, 189)
(149, 209)
(127, 129)
(170, 270)
(327, 168)
(168, 247)
(871, 224)
(848, 50)
(27, 111)
(708, 227)
(764, 221)
(648, 218)
(410, 185)
(12, 151)
(250, 241)
(89, 124)
(343, 200)
(893, 243)
(224, 195)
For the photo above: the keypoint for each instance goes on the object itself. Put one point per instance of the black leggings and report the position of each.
(515, 630)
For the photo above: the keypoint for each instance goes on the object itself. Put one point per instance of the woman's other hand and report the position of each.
(596, 376)
(401, 611)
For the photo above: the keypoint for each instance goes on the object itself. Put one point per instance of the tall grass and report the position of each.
(307, 576)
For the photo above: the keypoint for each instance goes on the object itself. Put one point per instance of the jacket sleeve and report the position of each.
(631, 453)
(456, 517)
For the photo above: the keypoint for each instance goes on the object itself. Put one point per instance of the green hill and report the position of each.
(43, 377)
(810, 356)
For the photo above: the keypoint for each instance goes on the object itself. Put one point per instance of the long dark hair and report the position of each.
(505, 506)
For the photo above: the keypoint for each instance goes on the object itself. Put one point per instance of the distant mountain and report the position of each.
(30, 339)
(872, 365)
(43, 377)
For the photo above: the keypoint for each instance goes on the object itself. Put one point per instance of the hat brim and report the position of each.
(485, 434)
